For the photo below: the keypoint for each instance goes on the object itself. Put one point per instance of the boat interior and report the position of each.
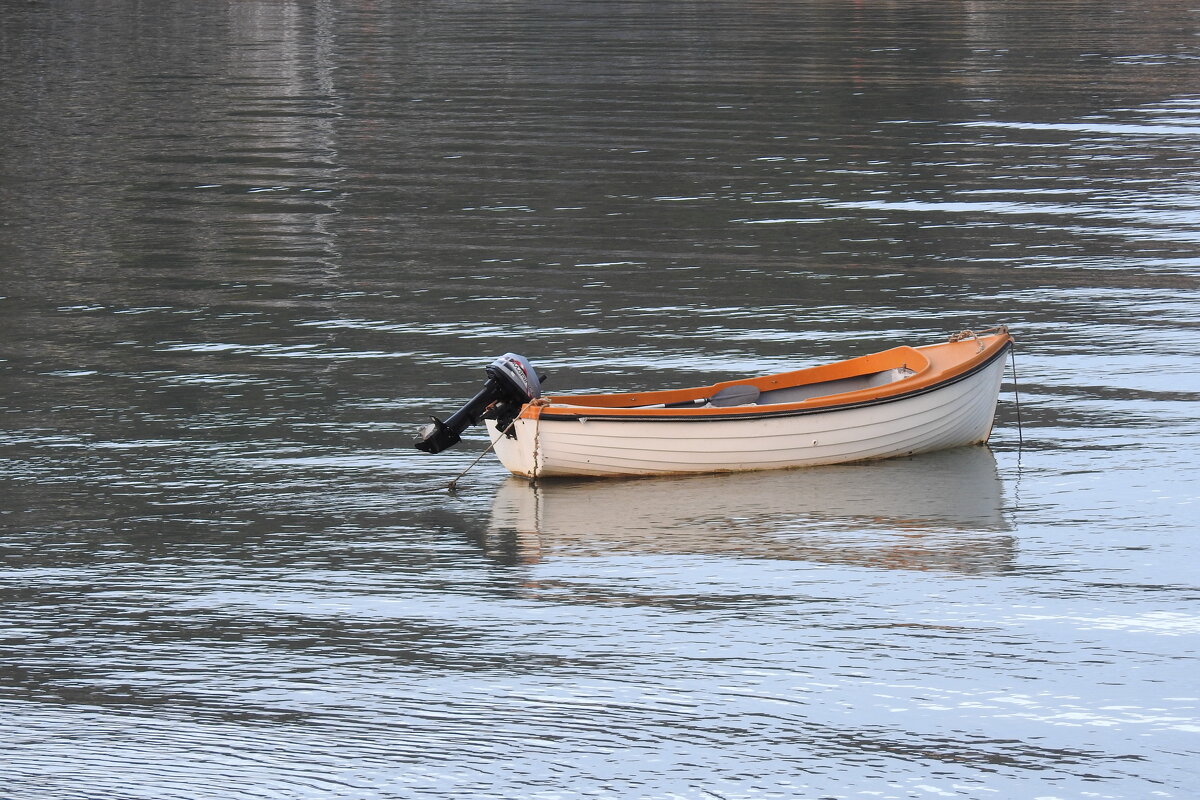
(843, 377)
(794, 394)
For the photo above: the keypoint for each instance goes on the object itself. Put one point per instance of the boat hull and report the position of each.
(956, 412)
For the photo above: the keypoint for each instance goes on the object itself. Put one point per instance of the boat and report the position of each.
(897, 402)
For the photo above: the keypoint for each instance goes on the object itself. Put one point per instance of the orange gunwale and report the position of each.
(932, 366)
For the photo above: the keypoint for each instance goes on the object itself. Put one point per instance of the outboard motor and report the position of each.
(512, 382)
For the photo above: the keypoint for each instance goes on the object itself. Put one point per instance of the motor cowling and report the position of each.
(512, 382)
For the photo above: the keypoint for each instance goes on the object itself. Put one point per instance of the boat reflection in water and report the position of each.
(939, 511)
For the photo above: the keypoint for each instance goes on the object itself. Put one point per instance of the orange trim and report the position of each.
(532, 410)
(932, 364)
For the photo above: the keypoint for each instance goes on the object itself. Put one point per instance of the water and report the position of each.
(247, 247)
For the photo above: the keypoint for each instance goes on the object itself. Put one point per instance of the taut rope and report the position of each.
(1012, 357)
(453, 485)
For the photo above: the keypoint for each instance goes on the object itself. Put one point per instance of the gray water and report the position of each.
(247, 247)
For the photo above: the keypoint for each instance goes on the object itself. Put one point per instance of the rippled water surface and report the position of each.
(246, 247)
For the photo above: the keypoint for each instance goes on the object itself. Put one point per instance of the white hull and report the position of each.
(948, 415)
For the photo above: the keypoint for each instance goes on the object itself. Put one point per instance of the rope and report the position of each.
(452, 486)
(1012, 355)
(962, 335)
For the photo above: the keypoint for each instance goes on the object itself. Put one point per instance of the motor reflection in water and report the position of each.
(940, 511)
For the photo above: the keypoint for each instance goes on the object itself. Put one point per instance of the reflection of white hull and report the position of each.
(935, 511)
(564, 439)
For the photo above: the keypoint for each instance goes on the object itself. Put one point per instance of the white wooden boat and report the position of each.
(897, 402)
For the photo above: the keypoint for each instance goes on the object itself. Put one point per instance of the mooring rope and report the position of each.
(1012, 356)
(962, 336)
(453, 485)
